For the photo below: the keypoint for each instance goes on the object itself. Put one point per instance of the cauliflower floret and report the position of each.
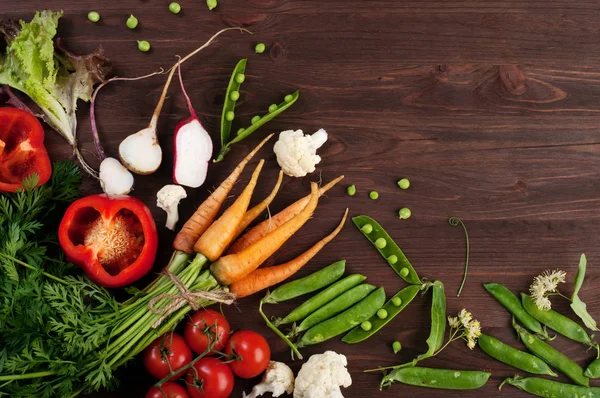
(168, 199)
(322, 375)
(278, 379)
(297, 153)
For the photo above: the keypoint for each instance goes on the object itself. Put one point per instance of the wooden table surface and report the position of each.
(490, 108)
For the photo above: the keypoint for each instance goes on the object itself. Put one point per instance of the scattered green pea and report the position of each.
(272, 108)
(260, 48)
(404, 213)
(234, 95)
(397, 301)
(380, 243)
(396, 346)
(367, 228)
(211, 4)
(351, 190)
(132, 22)
(366, 326)
(240, 77)
(240, 131)
(93, 16)
(393, 259)
(174, 7)
(143, 46)
(404, 183)
(374, 195)
(288, 98)
(404, 272)
(255, 119)
(382, 314)
(229, 115)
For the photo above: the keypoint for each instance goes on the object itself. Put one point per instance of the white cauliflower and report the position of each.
(322, 375)
(278, 380)
(297, 153)
(168, 198)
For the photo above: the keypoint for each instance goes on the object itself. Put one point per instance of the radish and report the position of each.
(193, 147)
(140, 152)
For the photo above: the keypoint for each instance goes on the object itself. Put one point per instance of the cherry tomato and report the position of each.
(212, 379)
(253, 353)
(172, 390)
(203, 325)
(169, 347)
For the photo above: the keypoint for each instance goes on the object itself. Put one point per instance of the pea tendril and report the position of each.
(455, 222)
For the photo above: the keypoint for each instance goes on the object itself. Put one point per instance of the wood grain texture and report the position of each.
(492, 109)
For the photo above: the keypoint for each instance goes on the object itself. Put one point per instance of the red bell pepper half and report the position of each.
(22, 150)
(112, 238)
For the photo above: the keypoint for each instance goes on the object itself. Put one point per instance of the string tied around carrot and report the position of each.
(185, 296)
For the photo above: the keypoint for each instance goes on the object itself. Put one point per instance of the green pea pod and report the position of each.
(335, 306)
(593, 370)
(308, 284)
(551, 389)
(319, 300)
(438, 321)
(400, 264)
(513, 357)
(345, 321)
(229, 104)
(261, 122)
(556, 321)
(406, 295)
(552, 356)
(447, 379)
(509, 301)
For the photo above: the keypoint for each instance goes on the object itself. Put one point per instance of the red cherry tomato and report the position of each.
(169, 347)
(253, 353)
(212, 379)
(203, 324)
(171, 390)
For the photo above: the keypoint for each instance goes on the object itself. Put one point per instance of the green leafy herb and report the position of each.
(578, 306)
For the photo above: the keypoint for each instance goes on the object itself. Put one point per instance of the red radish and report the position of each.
(193, 147)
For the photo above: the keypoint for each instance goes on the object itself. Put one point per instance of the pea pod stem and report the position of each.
(455, 221)
(278, 332)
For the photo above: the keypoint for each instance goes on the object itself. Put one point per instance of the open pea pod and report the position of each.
(387, 248)
(231, 96)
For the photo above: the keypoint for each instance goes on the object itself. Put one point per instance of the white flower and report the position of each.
(545, 283)
(453, 322)
(470, 329)
(465, 317)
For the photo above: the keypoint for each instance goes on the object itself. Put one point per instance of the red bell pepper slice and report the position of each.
(112, 238)
(22, 150)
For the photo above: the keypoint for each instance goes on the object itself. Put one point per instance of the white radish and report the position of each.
(114, 177)
(193, 148)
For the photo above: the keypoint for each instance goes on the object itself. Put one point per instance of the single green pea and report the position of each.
(234, 95)
(260, 48)
(132, 22)
(396, 346)
(404, 183)
(174, 7)
(240, 77)
(404, 271)
(241, 130)
(380, 243)
(255, 119)
(351, 190)
(404, 213)
(211, 4)
(374, 195)
(288, 98)
(366, 326)
(143, 46)
(397, 301)
(367, 228)
(272, 108)
(93, 16)
(382, 314)
(393, 259)
(229, 116)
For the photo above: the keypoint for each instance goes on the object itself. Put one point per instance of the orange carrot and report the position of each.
(233, 267)
(259, 208)
(260, 230)
(208, 210)
(263, 278)
(221, 233)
